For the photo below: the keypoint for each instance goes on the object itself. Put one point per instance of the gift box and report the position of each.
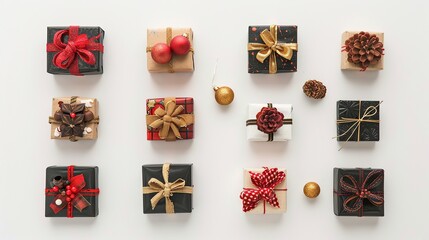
(74, 118)
(170, 118)
(178, 63)
(75, 50)
(71, 191)
(269, 122)
(358, 121)
(167, 188)
(264, 191)
(273, 49)
(358, 192)
(362, 51)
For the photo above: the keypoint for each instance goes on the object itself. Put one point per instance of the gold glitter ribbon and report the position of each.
(169, 120)
(355, 127)
(271, 47)
(165, 189)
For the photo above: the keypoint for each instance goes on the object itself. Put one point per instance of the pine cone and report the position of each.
(314, 89)
(363, 49)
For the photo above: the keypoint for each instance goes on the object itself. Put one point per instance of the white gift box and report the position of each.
(284, 133)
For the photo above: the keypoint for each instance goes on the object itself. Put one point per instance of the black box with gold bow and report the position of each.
(358, 192)
(167, 188)
(358, 121)
(272, 49)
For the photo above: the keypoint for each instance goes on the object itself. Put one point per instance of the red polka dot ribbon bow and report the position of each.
(356, 193)
(70, 193)
(265, 183)
(77, 46)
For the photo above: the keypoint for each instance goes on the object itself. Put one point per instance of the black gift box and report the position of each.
(359, 174)
(369, 129)
(91, 179)
(84, 68)
(285, 34)
(182, 202)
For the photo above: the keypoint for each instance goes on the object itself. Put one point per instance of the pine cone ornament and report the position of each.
(363, 49)
(314, 89)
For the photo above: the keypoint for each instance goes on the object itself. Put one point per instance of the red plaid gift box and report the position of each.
(170, 118)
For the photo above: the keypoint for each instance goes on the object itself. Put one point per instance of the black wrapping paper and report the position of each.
(368, 208)
(91, 178)
(182, 201)
(369, 131)
(285, 34)
(84, 68)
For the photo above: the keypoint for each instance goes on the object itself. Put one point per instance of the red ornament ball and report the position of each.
(161, 53)
(72, 196)
(68, 192)
(72, 115)
(55, 189)
(68, 187)
(74, 189)
(180, 45)
(68, 199)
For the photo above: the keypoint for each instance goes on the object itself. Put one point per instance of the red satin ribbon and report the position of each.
(265, 183)
(79, 202)
(77, 46)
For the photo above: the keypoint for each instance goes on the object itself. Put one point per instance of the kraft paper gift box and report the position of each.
(256, 133)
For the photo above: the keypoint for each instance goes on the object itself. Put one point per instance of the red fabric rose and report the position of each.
(269, 120)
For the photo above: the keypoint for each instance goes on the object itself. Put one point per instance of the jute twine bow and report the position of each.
(169, 120)
(165, 190)
(271, 47)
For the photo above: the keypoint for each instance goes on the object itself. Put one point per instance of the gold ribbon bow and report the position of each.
(369, 112)
(166, 189)
(169, 120)
(270, 47)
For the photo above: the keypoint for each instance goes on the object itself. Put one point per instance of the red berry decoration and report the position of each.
(55, 189)
(180, 45)
(68, 187)
(68, 192)
(68, 199)
(161, 53)
(73, 189)
(72, 115)
(72, 196)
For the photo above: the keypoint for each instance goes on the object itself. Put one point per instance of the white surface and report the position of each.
(220, 150)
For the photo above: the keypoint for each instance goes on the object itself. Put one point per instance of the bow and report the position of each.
(78, 45)
(169, 120)
(165, 189)
(357, 193)
(79, 202)
(265, 183)
(271, 47)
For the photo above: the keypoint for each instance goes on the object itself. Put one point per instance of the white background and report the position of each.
(220, 150)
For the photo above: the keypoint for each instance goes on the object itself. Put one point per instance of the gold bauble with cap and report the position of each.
(224, 95)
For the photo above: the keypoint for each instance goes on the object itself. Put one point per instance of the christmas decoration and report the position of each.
(269, 122)
(224, 95)
(264, 191)
(161, 53)
(362, 50)
(69, 188)
(167, 188)
(180, 45)
(311, 190)
(75, 50)
(314, 89)
(358, 192)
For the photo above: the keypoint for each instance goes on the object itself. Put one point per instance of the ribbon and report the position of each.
(165, 189)
(265, 183)
(169, 120)
(287, 121)
(271, 47)
(357, 192)
(77, 46)
(79, 201)
(369, 112)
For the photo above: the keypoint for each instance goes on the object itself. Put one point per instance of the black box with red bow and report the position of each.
(75, 50)
(71, 191)
(359, 192)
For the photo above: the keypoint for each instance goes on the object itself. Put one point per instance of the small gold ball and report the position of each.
(224, 95)
(311, 190)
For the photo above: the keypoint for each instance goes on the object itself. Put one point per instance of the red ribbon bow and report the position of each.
(77, 45)
(79, 201)
(265, 183)
(356, 194)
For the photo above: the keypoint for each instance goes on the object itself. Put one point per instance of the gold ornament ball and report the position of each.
(224, 95)
(311, 190)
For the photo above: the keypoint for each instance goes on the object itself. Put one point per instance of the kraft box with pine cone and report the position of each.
(272, 49)
(74, 118)
(362, 51)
